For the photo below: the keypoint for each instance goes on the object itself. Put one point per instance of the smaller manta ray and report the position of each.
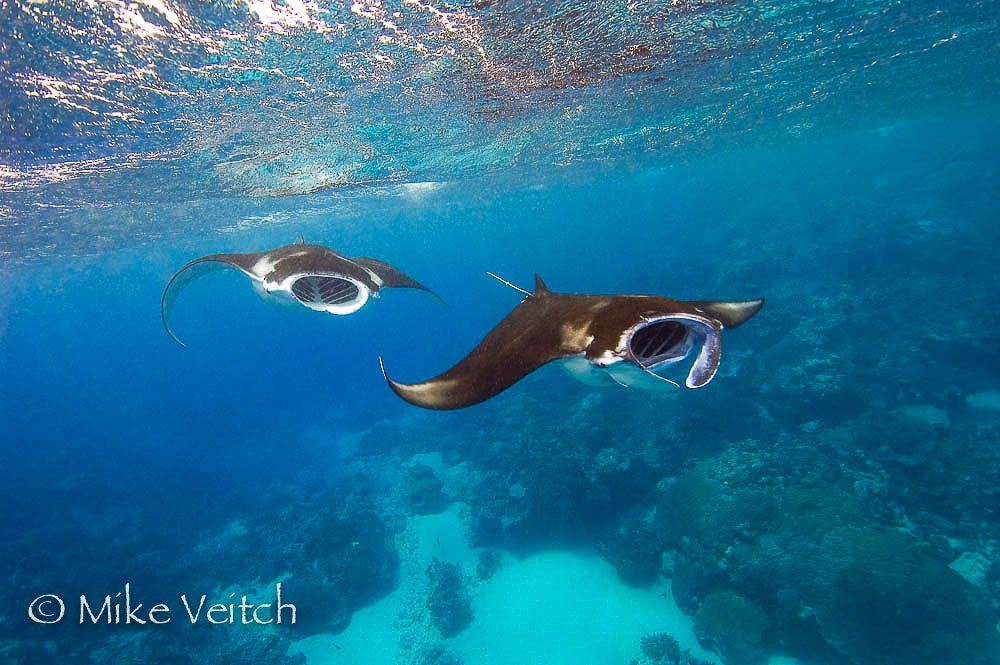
(624, 339)
(310, 275)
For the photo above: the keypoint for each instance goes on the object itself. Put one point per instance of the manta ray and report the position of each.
(623, 339)
(310, 275)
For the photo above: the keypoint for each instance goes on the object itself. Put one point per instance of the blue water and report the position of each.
(830, 498)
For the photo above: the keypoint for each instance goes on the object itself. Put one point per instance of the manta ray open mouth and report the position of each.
(672, 338)
(661, 342)
(324, 290)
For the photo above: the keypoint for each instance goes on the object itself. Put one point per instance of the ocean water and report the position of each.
(830, 498)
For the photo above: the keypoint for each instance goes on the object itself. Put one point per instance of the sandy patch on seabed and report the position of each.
(555, 607)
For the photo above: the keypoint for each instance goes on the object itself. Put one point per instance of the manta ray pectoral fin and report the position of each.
(196, 269)
(729, 313)
(527, 338)
(392, 277)
(450, 390)
(438, 394)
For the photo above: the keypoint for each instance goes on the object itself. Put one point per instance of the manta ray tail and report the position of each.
(194, 270)
(505, 282)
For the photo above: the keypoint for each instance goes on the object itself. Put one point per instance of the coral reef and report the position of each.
(172, 647)
(834, 582)
(662, 649)
(423, 490)
(635, 549)
(560, 485)
(437, 654)
(775, 531)
(733, 626)
(489, 562)
(349, 560)
(381, 439)
(448, 598)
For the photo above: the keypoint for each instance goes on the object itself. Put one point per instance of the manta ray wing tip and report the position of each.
(395, 386)
(176, 338)
(166, 326)
(437, 297)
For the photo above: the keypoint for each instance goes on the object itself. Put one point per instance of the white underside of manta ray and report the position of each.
(313, 276)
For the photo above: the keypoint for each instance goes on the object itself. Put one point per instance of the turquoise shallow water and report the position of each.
(829, 498)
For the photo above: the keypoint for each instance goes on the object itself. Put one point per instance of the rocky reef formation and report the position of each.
(861, 541)
(765, 562)
(662, 649)
(423, 490)
(448, 599)
(437, 654)
(853, 543)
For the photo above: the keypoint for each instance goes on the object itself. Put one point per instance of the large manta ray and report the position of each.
(311, 275)
(623, 338)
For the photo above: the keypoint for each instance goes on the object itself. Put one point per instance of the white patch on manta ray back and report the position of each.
(262, 268)
(375, 278)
